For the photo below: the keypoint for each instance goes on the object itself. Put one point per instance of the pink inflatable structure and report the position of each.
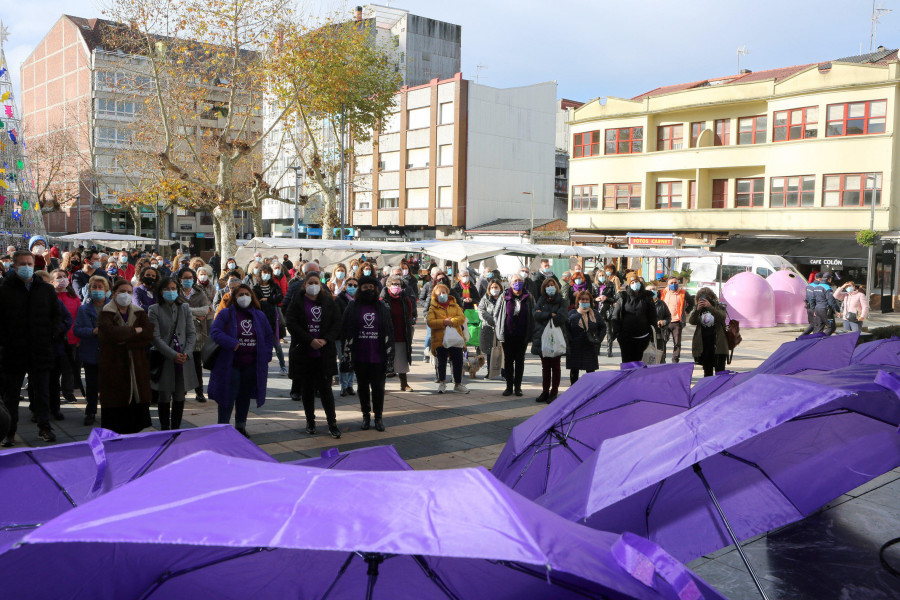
(790, 297)
(750, 300)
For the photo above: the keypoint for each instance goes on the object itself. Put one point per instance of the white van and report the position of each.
(705, 270)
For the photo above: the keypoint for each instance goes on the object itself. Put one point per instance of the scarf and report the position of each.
(579, 286)
(587, 317)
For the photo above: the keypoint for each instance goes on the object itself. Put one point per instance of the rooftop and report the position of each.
(510, 225)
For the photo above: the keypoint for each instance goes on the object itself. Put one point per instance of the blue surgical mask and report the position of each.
(578, 281)
(602, 278)
(98, 295)
(96, 264)
(170, 295)
(187, 283)
(7, 265)
(551, 291)
(546, 270)
(25, 272)
(673, 286)
(442, 298)
(351, 289)
(653, 293)
(851, 289)
(367, 272)
(584, 305)
(635, 286)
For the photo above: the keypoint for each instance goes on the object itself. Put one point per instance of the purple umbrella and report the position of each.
(211, 526)
(376, 458)
(878, 352)
(602, 405)
(40, 483)
(764, 454)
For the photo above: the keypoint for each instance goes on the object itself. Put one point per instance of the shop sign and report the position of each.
(827, 262)
(651, 241)
(393, 231)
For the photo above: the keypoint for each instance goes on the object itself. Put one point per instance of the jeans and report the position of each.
(633, 348)
(370, 376)
(514, 360)
(91, 379)
(427, 340)
(550, 374)
(851, 326)
(456, 358)
(39, 384)
(345, 379)
(243, 381)
(313, 376)
(279, 352)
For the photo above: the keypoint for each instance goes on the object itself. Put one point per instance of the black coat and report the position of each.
(569, 293)
(301, 337)
(474, 296)
(30, 325)
(293, 291)
(409, 315)
(543, 311)
(270, 306)
(633, 315)
(350, 334)
(582, 354)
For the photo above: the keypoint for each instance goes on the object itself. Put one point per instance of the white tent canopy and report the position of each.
(113, 240)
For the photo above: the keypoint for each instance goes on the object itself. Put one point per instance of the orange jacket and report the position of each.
(680, 298)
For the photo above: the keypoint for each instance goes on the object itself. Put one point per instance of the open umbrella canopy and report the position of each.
(113, 240)
(772, 450)
(40, 483)
(544, 449)
(211, 526)
(878, 352)
(376, 458)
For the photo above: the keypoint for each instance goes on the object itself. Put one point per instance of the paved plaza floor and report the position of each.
(832, 554)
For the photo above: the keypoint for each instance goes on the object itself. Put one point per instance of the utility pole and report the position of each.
(531, 234)
(157, 222)
(877, 13)
(341, 146)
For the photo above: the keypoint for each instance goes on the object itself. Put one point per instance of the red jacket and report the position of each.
(71, 303)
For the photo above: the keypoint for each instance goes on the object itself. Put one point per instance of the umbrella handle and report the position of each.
(643, 559)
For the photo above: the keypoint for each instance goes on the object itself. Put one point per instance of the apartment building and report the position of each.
(454, 155)
(72, 81)
(801, 152)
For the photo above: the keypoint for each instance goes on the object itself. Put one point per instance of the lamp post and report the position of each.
(341, 146)
(870, 271)
(531, 233)
(296, 202)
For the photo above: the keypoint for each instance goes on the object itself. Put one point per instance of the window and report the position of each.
(417, 158)
(584, 197)
(586, 144)
(723, 132)
(108, 164)
(445, 197)
(389, 161)
(445, 155)
(852, 189)
(625, 140)
(668, 194)
(792, 191)
(364, 164)
(752, 130)
(418, 118)
(692, 193)
(696, 130)
(622, 196)
(363, 201)
(669, 137)
(719, 193)
(750, 192)
(416, 197)
(113, 135)
(856, 118)
(392, 123)
(390, 199)
(446, 113)
(115, 108)
(796, 124)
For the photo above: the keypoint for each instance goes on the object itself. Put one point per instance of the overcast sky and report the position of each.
(593, 48)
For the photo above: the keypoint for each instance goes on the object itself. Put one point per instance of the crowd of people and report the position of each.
(143, 328)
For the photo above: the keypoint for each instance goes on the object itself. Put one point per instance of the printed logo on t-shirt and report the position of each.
(247, 326)
(316, 313)
(369, 319)
(246, 338)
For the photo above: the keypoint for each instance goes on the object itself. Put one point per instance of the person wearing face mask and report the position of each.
(5, 264)
(287, 264)
(338, 280)
(586, 331)
(174, 338)
(410, 281)
(230, 264)
(580, 283)
(125, 333)
(663, 320)
(551, 307)
(126, 269)
(709, 345)
(633, 319)
(855, 307)
(437, 277)
(66, 362)
(342, 301)
(465, 291)
(606, 299)
(223, 296)
(270, 297)
(86, 331)
(515, 326)
(543, 273)
(242, 366)
(252, 273)
(145, 293)
(315, 325)
(112, 270)
(367, 347)
(443, 312)
(38, 247)
(92, 266)
(201, 310)
(33, 321)
(205, 283)
(609, 271)
(487, 313)
(403, 317)
(279, 277)
(530, 285)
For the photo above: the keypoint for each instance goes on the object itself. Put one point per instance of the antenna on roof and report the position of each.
(877, 13)
(742, 51)
(478, 69)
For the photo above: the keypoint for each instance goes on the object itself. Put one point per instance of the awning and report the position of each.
(757, 245)
(830, 253)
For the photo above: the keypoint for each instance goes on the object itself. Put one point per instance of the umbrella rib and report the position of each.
(728, 454)
(155, 457)
(169, 575)
(340, 574)
(434, 577)
(525, 468)
(30, 455)
(651, 504)
(18, 526)
(843, 411)
(549, 579)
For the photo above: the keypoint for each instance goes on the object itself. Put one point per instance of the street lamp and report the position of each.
(870, 271)
(296, 201)
(531, 234)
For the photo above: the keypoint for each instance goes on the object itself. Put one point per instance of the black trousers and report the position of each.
(574, 374)
(314, 378)
(370, 377)
(199, 368)
(39, 384)
(710, 363)
(633, 348)
(824, 321)
(91, 380)
(811, 317)
(514, 360)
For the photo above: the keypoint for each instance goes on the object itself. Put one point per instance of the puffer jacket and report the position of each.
(544, 310)
(436, 316)
(853, 302)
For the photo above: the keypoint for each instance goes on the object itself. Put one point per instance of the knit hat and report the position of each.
(367, 279)
(306, 277)
(632, 277)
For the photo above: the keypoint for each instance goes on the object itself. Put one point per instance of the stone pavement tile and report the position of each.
(874, 484)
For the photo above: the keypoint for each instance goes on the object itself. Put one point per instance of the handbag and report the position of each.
(209, 353)
(473, 327)
(853, 317)
(732, 337)
(651, 356)
(553, 342)
(452, 338)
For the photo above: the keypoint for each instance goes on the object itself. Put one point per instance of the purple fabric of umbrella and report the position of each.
(40, 483)
(211, 526)
(602, 405)
(878, 352)
(773, 449)
(376, 458)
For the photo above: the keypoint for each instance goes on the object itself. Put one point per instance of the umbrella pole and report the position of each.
(373, 560)
(734, 538)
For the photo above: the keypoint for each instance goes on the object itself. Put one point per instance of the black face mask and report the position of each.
(149, 281)
(367, 296)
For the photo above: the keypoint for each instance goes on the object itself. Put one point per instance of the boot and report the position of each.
(544, 397)
(508, 391)
(163, 408)
(366, 422)
(379, 424)
(311, 426)
(404, 384)
(200, 396)
(177, 412)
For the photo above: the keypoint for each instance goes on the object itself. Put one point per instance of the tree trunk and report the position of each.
(136, 217)
(217, 236)
(226, 232)
(256, 214)
(330, 218)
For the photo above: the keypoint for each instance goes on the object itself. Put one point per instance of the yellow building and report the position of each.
(799, 151)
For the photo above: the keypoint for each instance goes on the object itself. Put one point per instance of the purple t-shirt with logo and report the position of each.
(367, 350)
(313, 322)
(245, 355)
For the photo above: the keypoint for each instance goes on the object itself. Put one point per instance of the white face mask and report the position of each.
(495, 292)
(266, 276)
(314, 289)
(243, 301)
(277, 272)
(123, 299)
(203, 278)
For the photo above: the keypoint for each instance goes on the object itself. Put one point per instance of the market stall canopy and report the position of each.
(113, 240)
